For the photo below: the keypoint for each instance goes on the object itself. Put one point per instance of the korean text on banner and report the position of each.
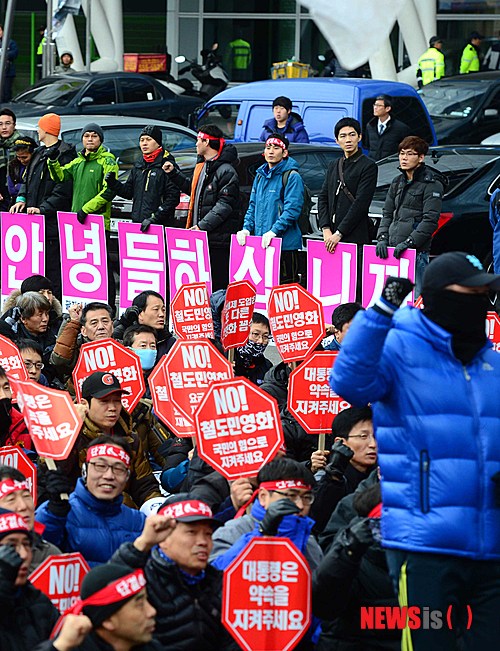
(237, 314)
(331, 277)
(22, 249)
(60, 578)
(261, 267)
(375, 272)
(188, 259)
(83, 259)
(142, 261)
(163, 405)
(191, 312)
(15, 457)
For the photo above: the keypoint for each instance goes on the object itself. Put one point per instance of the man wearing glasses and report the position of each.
(94, 521)
(8, 135)
(249, 360)
(383, 132)
(279, 507)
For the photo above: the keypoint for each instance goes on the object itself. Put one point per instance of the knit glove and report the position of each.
(275, 514)
(57, 483)
(381, 250)
(130, 316)
(81, 216)
(402, 246)
(340, 458)
(10, 562)
(394, 293)
(266, 239)
(241, 237)
(147, 223)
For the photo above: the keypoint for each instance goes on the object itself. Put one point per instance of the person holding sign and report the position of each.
(13, 430)
(249, 360)
(27, 616)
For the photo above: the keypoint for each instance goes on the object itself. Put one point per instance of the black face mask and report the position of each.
(463, 315)
(5, 417)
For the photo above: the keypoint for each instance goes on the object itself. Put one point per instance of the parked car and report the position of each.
(114, 93)
(465, 109)
(241, 111)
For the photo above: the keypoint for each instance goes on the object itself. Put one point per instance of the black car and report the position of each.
(114, 93)
(465, 109)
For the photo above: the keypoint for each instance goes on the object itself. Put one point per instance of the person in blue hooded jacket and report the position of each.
(275, 205)
(94, 521)
(433, 381)
(285, 122)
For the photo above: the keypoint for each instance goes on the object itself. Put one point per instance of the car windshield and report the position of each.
(452, 100)
(58, 93)
(222, 115)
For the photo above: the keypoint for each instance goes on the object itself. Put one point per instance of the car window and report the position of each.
(258, 114)
(58, 93)
(312, 168)
(173, 140)
(101, 91)
(137, 90)
(223, 116)
(320, 121)
(451, 100)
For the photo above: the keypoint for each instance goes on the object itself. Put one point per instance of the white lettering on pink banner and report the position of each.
(188, 259)
(376, 270)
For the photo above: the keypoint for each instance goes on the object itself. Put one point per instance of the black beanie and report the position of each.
(35, 284)
(97, 579)
(154, 132)
(283, 101)
(92, 126)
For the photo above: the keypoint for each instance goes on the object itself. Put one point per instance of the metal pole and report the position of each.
(7, 31)
(48, 46)
(88, 36)
(34, 46)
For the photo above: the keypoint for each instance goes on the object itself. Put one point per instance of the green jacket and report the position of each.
(87, 171)
(470, 60)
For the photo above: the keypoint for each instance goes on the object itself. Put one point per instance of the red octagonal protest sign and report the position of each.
(163, 406)
(266, 595)
(493, 329)
(297, 322)
(60, 578)
(12, 362)
(191, 312)
(112, 357)
(238, 428)
(15, 457)
(51, 417)
(311, 401)
(237, 314)
(191, 368)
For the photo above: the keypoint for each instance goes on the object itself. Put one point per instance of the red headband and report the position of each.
(205, 136)
(277, 142)
(108, 450)
(281, 484)
(8, 486)
(188, 509)
(12, 522)
(123, 588)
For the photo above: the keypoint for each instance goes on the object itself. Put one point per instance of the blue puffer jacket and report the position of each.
(266, 210)
(294, 129)
(438, 430)
(96, 528)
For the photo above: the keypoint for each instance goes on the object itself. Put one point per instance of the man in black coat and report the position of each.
(214, 192)
(154, 197)
(383, 132)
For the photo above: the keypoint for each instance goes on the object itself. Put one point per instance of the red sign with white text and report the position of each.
(266, 595)
(493, 329)
(311, 401)
(191, 312)
(163, 406)
(111, 357)
(12, 362)
(238, 428)
(52, 419)
(60, 578)
(297, 322)
(237, 314)
(15, 457)
(191, 368)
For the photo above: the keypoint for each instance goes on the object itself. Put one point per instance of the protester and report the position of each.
(154, 196)
(342, 317)
(276, 202)
(8, 136)
(383, 131)
(13, 430)
(432, 379)
(184, 588)
(18, 168)
(470, 61)
(94, 521)
(284, 122)
(27, 616)
(32, 355)
(431, 65)
(249, 360)
(15, 496)
(65, 64)
(214, 197)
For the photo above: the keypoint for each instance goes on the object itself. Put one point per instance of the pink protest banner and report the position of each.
(376, 270)
(261, 267)
(83, 259)
(22, 249)
(188, 259)
(331, 277)
(142, 261)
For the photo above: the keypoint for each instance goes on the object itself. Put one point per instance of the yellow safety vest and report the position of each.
(241, 54)
(431, 64)
(470, 60)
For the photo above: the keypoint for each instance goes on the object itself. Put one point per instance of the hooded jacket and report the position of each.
(294, 129)
(55, 313)
(276, 208)
(218, 207)
(412, 208)
(94, 527)
(87, 171)
(438, 431)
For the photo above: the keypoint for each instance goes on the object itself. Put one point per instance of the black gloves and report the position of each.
(56, 483)
(111, 179)
(53, 153)
(340, 458)
(381, 250)
(394, 293)
(130, 316)
(10, 562)
(275, 514)
(402, 246)
(356, 538)
(147, 223)
(81, 216)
